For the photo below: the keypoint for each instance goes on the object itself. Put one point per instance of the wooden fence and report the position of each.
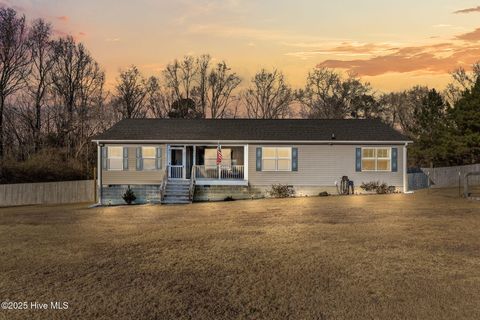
(443, 177)
(446, 177)
(47, 193)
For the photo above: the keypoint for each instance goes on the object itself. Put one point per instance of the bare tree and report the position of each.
(399, 108)
(14, 59)
(328, 96)
(39, 80)
(269, 97)
(462, 81)
(131, 94)
(180, 77)
(77, 85)
(221, 83)
(200, 91)
(158, 100)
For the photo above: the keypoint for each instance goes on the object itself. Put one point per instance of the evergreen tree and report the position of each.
(430, 130)
(464, 134)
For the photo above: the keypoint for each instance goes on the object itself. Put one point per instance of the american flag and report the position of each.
(219, 154)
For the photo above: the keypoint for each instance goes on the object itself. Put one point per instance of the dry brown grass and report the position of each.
(360, 257)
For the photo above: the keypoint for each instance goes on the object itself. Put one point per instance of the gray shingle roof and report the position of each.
(250, 130)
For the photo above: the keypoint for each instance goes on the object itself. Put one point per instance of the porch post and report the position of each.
(245, 162)
(184, 161)
(99, 174)
(194, 155)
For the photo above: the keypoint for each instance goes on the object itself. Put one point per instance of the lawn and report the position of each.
(359, 257)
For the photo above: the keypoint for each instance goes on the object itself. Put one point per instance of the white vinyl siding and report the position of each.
(376, 159)
(276, 159)
(115, 158)
(322, 165)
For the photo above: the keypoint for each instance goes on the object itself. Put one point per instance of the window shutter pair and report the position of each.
(294, 159)
(358, 159)
(158, 160)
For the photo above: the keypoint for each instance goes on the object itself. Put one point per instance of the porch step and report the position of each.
(177, 192)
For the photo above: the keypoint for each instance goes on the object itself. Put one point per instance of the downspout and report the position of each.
(405, 176)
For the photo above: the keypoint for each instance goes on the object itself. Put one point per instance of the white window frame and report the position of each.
(109, 157)
(276, 158)
(149, 158)
(376, 158)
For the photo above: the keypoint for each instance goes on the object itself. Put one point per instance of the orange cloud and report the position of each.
(437, 58)
(63, 18)
(468, 10)
(470, 36)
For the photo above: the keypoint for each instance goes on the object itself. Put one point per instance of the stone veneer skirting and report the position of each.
(144, 193)
(219, 193)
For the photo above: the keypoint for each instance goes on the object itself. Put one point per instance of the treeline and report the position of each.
(53, 101)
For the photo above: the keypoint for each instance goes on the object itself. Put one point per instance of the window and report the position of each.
(376, 159)
(277, 159)
(115, 158)
(149, 158)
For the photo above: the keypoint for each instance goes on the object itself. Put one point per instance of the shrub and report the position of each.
(323, 194)
(379, 188)
(129, 196)
(45, 166)
(281, 191)
(229, 198)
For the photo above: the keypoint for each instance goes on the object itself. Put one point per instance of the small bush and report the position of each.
(323, 194)
(229, 198)
(281, 191)
(129, 196)
(46, 166)
(379, 188)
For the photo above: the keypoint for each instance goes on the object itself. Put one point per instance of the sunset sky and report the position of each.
(393, 44)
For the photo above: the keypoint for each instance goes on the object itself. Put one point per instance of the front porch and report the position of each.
(200, 162)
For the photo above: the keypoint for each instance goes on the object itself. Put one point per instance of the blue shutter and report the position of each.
(259, 159)
(358, 159)
(104, 158)
(158, 160)
(125, 158)
(139, 159)
(394, 159)
(294, 159)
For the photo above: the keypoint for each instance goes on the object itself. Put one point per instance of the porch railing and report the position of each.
(176, 172)
(221, 172)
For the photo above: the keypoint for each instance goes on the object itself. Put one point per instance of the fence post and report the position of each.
(459, 185)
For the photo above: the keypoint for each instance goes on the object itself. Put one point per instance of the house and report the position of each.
(175, 160)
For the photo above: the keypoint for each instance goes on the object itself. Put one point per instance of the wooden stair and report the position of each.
(177, 192)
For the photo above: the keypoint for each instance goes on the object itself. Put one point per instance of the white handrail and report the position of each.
(221, 172)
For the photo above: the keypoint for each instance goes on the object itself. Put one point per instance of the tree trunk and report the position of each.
(36, 134)
(2, 105)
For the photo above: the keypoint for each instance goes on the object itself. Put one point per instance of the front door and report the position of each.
(177, 163)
